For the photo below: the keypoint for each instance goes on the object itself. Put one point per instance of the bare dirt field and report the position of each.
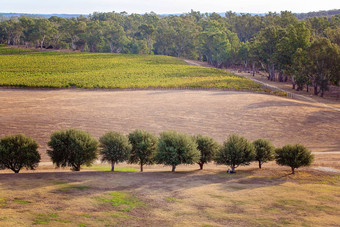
(38, 113)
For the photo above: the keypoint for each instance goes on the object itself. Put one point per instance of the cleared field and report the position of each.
(99, 70)
(38, 113)
(157, 197)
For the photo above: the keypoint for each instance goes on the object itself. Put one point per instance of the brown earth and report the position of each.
(38, 113)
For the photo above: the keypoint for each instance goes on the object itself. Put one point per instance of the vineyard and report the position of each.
(106, 70)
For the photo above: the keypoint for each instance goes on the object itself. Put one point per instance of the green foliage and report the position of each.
(293, 156)
(17, 152)
(264, 151)
(235, 151)
(72, 148)
(144, 147)
(176, 148)
(208, 147)
(115, 148)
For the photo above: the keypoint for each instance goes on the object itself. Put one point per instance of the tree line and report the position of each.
(306, 52)
(75, 148)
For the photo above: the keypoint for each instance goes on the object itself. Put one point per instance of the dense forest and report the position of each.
(305, 52)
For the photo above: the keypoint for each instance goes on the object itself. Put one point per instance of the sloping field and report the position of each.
(99, 70)
(38, 113)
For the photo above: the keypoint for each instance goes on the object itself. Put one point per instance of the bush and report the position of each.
(208, 147)
(236, 151)
(176, 148)
(115, 148)
(72, 148)
(264, 151)
(294, 156)
(144, 148)
(17, 152)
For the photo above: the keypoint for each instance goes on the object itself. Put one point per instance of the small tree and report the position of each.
(115, 148)
(72, 148)
(236, 151)
(264, 151)
(208, 148)
(176, 148)
(144, 148)
(294, 156)
(17, 152)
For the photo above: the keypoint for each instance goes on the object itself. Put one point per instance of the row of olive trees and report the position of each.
(75, 148)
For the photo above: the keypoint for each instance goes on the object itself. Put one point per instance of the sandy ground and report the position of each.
(38, 113)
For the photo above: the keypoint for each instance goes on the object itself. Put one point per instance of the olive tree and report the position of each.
(176, 148)
(144, 147)
(208, 147)
(235, 151)
(264, 151)
(72, 148)
(17, 152)
(293, 156)
(114, 148)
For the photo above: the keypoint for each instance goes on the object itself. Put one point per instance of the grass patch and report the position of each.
(216, 196)
(85, 215)
(106, 70)
(21, 201)
(108, 168)
(171, 199)
(68, 187)
(123, 201)
(3, 202)
(44, 219)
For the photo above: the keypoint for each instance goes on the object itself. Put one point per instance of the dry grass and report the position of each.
(157, 197)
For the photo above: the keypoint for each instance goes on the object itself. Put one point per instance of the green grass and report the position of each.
(124, 201)
(21, 201)
(108, 168)
(103, 70)
(170, 199)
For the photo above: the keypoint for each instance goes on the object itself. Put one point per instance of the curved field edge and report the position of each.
(102, 70)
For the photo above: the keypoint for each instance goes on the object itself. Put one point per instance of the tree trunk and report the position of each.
(232, 168)
(316, 89)
(173, 168)
(260, 164)
(307, 88)
(272, 74)
(293, 170)
(253, 68)
(280, 76)
(201, 165)
(141, 167)
(112, 166)
(76, 167)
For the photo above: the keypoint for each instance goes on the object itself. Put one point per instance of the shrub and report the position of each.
(294, 156)
(208, 147)
(236, 151)
(176, 148)
(17, 152)
(115, 148)
(144, 148)
(72, 148)
(264, 151)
